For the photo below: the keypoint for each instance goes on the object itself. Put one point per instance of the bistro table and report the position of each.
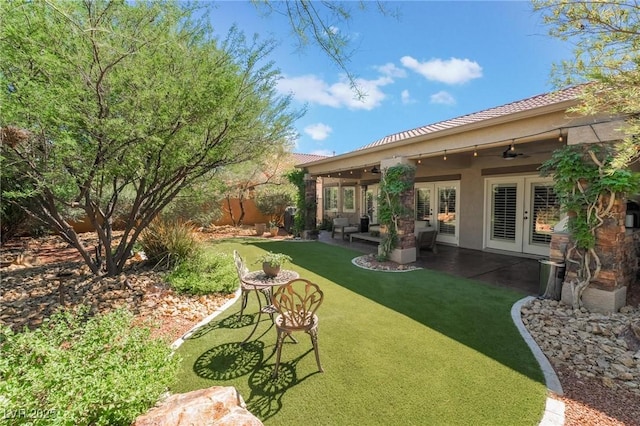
(259, 280)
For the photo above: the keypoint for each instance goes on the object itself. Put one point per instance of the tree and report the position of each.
(121, 98)
(606, 35)
(316, 22)
(273, 200)
(240, 179)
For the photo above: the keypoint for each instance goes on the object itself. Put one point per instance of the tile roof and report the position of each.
(307, 158)
(531, 103)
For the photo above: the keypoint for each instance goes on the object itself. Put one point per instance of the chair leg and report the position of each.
(245, 297)
(279, 342)
(314, 341)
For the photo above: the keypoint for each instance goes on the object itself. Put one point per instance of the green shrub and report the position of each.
(169, 242)
(77, 371)
(205, 273)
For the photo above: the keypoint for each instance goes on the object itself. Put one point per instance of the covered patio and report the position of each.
(518, 273)
(477, 183)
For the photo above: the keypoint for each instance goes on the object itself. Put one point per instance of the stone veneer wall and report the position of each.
(406, 224)
(310, 203)
(617, 247)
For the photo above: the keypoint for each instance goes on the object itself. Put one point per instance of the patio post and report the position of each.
(405, 252)
(310, 197)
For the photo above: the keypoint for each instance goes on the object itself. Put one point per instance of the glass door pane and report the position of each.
(447, 218)
(371, 203)
(423, 204)
(503, 212)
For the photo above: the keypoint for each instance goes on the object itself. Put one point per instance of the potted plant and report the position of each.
(273, 228)
(271, 262)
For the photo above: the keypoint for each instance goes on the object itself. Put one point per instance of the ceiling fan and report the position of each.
(510, 153)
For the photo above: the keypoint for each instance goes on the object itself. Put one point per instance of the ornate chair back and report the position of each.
(240, 266)
(297, 302)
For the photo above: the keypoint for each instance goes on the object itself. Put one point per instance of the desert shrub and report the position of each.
(75, 370)
(205, 273)
(169, 242)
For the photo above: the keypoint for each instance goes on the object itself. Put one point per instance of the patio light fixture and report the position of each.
(475, 151)
(445, 155)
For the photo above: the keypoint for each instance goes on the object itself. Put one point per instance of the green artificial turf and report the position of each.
(418, 347)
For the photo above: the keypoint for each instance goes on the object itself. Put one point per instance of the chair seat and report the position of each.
(309, 323)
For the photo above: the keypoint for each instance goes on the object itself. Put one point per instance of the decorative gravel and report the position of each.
(370, 262)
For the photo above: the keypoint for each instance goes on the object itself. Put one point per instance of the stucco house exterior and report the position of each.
(477, 178)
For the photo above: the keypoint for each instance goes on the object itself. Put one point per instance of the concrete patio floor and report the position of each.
(518, 273)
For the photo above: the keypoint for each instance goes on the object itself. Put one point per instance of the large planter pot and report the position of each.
(260, 228)
(270, 271)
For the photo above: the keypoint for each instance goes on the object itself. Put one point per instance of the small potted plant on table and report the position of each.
(271, 262)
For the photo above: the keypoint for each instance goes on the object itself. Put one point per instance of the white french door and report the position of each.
(439, 204)
(370, 203)
(520, 214)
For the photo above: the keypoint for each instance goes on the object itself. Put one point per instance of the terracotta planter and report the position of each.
(270, 271)
(260, 228)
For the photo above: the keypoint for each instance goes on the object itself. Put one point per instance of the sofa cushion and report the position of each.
(341, 221)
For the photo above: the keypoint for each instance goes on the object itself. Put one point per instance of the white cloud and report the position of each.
(310, 88)
(406, 97)
(391, 70)
(318, 131)
(451, 71)
(443, 98)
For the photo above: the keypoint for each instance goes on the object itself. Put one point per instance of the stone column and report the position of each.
(616, 248)
(310, 203)
(405, 251)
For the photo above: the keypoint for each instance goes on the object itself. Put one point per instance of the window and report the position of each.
(349, 199)
(331, 199)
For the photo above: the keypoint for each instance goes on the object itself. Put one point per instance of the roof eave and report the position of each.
(547, 109)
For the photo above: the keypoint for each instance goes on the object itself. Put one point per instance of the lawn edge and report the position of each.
(175, 345)
(554, 409)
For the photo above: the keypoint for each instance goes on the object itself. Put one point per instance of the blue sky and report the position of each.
(435, 61)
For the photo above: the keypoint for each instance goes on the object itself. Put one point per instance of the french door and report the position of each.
(520, 214)
(439, 203)
(370, 203)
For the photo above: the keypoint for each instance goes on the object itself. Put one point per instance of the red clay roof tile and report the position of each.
(533, 102)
